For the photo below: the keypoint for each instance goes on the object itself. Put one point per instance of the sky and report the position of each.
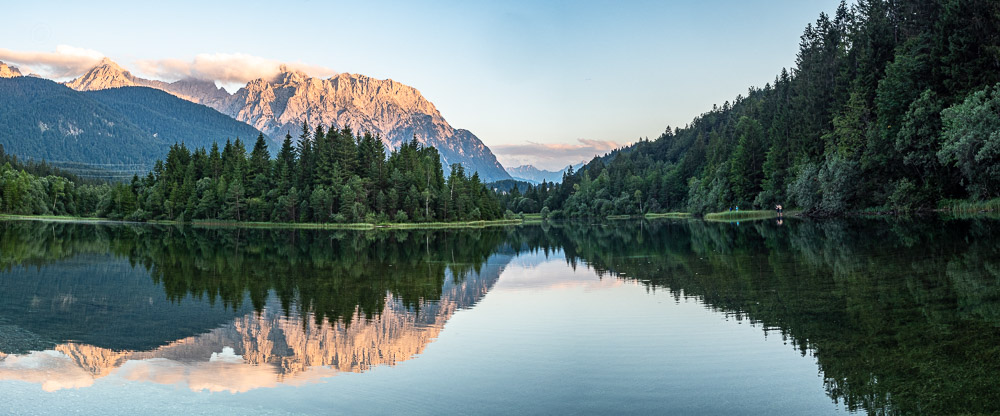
(543, 82)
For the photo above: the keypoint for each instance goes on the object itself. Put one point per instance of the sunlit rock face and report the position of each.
(7, 71)
(395, 112)
(108, 74)
(262, 349)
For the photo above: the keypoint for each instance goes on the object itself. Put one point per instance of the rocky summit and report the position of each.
(7, 71)
(396, 112)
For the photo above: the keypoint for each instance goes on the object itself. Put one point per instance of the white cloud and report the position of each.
(552, 156)
(66, 61)
(226, 68)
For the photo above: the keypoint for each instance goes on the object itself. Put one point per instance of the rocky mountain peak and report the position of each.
(7, 71)
(107, 62)
(106, 74)
(288, 76)
(394, 111)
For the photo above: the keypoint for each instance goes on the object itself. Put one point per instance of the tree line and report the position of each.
(892, 105)
(329, 176)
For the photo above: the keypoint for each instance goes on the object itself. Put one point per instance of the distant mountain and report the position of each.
(507, 185)
(529, 173)
(123, 128)
(7, 71)
(107, 74)
(280, 105)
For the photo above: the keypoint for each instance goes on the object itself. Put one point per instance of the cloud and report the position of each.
(66, 61)
(223, 372)
(552, 156)
(52, 369)
(226, 68)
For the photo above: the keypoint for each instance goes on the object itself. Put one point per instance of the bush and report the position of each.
(905, 196)
(545, 213)
(838, 181)
(804, 189)
(971, 141)
(509, 215)
(138, 216)
(401, 216)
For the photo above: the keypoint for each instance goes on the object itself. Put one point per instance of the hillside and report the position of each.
(891, 106)
(124, 128)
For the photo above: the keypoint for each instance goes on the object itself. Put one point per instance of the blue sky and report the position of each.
(542, 82)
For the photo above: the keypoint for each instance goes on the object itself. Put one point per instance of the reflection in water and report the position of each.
(314, 314)
(901, 317)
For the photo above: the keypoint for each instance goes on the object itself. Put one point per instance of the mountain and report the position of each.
(529, 173)
(280, 105)
(394, 111)
(7, 71)
(108, 74)
(125, 128)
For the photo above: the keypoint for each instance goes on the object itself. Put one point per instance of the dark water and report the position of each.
(682, 317)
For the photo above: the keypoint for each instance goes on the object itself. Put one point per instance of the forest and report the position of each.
(114, 133)
(891, 106)
(330, 176)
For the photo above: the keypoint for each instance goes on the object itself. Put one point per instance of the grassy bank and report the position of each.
(619, 217)
(283, 225)
(351, 226)
(740, 215)
(67, 218)
(679, 215)
(969, 207)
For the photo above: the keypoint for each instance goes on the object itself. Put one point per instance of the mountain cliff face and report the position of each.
(7, 71)
(280, 105)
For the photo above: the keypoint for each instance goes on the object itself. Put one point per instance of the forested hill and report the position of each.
(891, 104)
(125, 128)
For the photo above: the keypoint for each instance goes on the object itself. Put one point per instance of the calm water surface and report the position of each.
(675, 317)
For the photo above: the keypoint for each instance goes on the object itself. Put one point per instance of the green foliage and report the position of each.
(122, 129)
(307, 184)
(971, 141)
(890, 103)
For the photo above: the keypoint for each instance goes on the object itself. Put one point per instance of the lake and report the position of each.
(665, 316)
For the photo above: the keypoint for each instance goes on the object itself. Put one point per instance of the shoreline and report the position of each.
(265, 225)
(725, 216)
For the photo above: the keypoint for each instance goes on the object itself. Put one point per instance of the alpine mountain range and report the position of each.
(280, 105)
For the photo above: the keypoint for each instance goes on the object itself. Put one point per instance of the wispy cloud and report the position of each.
(226, 68)
(552, 156)
(66, 61)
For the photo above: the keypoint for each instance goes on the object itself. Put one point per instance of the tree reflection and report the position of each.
(902, 316)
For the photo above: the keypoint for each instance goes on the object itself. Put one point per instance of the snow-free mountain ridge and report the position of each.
(280, 105)
(531, 174)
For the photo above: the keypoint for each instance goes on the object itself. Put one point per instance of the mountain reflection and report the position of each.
(902, 317)
(227, 310)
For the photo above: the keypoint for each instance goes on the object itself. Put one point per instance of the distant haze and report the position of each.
(519, 73)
